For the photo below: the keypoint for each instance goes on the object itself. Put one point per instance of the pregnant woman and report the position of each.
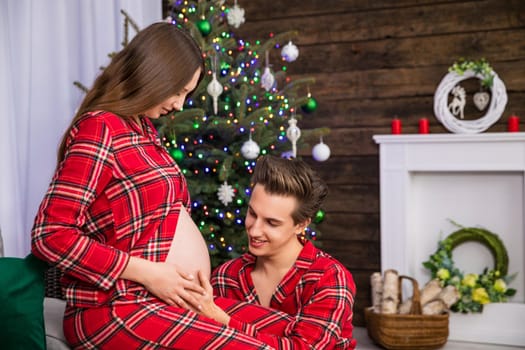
(117, 203)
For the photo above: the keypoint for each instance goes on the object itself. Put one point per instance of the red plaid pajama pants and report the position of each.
(131, 326)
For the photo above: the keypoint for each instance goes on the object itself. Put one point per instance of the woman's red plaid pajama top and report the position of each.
(318, 293)
(118, 194)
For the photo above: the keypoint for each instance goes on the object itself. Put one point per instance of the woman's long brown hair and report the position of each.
(156, 64)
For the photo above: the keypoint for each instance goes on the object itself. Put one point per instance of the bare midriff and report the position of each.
(188, 249)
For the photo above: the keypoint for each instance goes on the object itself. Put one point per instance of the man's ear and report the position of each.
(303, 225)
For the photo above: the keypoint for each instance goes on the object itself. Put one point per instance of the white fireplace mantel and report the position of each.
(475, 180)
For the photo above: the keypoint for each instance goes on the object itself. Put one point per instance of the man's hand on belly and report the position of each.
(205, 304)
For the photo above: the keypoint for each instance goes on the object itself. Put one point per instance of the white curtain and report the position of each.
(44, 47)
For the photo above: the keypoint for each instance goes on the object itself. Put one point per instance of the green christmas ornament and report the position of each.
(310, 105)
(177, 154)
(204, 27)
(319, 216)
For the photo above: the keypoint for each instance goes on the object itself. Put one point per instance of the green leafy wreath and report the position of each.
(475, 290)
(480, 66)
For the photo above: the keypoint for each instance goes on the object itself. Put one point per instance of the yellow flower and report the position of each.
(443, 274)
(470, 280)
(480, 295)
(500, 285)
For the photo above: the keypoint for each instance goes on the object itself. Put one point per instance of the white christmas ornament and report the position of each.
(457, 105)
(293, 133)
(250, 149)
(481, 100)
(321, 151)
(290, 52)
(214, 90)
(235, 16)
(225, 193)
(267, 79)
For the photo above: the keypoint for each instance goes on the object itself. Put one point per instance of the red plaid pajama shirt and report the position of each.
(317, 294)
(117, 194)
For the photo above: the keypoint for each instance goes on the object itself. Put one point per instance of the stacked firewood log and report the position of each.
(434, 298)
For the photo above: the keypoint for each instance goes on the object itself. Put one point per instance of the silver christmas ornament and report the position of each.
(267, 79)
(293, 133)
(290, 52)
(226, 193)
(250, 149)
(214, 90)
(321, 152)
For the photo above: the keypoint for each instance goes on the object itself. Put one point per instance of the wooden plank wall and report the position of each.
(373, 60)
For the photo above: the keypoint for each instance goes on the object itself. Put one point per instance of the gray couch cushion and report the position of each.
(53, 319)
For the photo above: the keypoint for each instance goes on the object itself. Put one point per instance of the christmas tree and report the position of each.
(245, 107)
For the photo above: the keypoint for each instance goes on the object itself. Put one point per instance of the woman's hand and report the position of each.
(204, 304)
(165, 282)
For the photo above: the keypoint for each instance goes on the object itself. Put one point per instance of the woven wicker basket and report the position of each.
(411, 331)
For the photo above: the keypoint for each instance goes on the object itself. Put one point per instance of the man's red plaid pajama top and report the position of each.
(318, 294)
(117, 194)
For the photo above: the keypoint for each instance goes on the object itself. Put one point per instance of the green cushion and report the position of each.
(22, 303)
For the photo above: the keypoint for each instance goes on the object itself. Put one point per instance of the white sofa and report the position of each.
(53, 318)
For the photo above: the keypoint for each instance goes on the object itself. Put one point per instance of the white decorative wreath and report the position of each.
(462, 71)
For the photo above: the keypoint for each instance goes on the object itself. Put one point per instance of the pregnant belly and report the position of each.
(188, 249)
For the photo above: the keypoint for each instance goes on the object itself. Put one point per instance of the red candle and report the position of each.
(514, 123)
(396, 126)
(423, 126)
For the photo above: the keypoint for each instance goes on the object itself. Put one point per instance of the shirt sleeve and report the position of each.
(225, 280)
(319, 321)
(57, 234)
